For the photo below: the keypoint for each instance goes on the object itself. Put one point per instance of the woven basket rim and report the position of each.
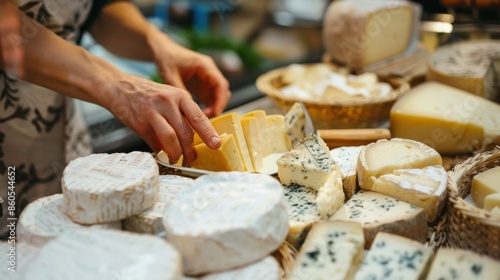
(264, 85)
(458, 201)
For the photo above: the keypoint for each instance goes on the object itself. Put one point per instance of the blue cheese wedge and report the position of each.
(459, 264)
(377, 212)
(346, 158)
(331, 250)
(395, 257)
(295, 126)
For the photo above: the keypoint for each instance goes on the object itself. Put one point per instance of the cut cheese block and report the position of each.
(331, 249)
(103, 188)
(495, 212)
(295, 125)
(468, 66)
(395, 257)
(226, 158)
(105, 254)
(226, 220)
(265, 269)
(492, 201)
(459, 264)
(425, 188)
(150, 221)
(484, 184)
(16, 258)
(377, 212)
(253, 135)
(330, 195)
(261, 120)
(46, 218)
(454, 122)
(347, 158)
(275, 133)
(385, 156)
(359, 33)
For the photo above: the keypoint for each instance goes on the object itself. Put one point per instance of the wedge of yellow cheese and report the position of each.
(275, 133)
(492, 201)
(484, 184)
(252, 133)
(261, 120)
(225, 158)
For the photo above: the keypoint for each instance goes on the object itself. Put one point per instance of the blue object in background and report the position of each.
(201, 16)
(161, 12)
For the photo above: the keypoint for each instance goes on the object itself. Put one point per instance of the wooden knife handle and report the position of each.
(352, 137)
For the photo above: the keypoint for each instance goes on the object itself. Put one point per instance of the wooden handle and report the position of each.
(352, 137)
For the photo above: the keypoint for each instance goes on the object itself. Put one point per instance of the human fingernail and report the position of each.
(215, 141)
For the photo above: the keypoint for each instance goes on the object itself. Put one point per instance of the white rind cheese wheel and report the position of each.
(106, 254)
(16, 262)
(266, 269)
(150, 221)
(347, 158)
(104, 188)
(46, 218)
(227, 220)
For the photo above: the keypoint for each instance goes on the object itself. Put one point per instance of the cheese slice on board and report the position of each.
(425, 188)
(265, 269)
(331, 249)
(253, 223)
(106, 254)
(454, 122)
(103, 188)
(395, 257)
(261, 120)
(459, 264)
(275, 133)
(385, 156)
(226, 158)
(347, 158)
(16, 258)
(492, 201)
(484, 184)
(150, 221)
(377, 212)
(253, 135)
(359, 33)
(295, 126)
(46, 218)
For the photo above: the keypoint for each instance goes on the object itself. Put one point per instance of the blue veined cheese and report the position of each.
(332, 250)
(346, 158)
(459, 264)
(46, 218)
(103, 188)
(425, 188)
(394, 257)
(100, 254)
(227, 220)
(150, 221)
(265, 269)
(295, 125)
(377, 212)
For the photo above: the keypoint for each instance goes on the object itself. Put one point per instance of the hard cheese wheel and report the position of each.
(105, 254)
(226, 220)
(46, 218)
(266, 269)
(104, 188)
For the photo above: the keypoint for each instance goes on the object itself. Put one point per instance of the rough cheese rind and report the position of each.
(16, 258)
(295, 125)
(150, 221)
(332, 249)
(103, 188)
(459, 264)
(425, 188)
(454, 122)
(385, 156)
(46, 218)
(265, 269)
(347, 158)
(226, 220)
(395, 257)
(106, 254)
(377, 212)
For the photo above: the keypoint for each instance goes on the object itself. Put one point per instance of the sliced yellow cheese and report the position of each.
(275, 133)
(261, 119)
(492, 201)
(484, 184)
(252, 133)
(225, 158)
(385, 156)
(448, 119)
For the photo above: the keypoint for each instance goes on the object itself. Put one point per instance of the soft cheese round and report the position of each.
(46, 218)
(103, 188)
(106, 254)
(226, 220)
(266, 269)
(16, 262)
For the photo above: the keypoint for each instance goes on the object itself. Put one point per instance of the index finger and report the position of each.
(200, 123)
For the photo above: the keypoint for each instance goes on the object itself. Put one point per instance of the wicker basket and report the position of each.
(355, 113)
(470, 227)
